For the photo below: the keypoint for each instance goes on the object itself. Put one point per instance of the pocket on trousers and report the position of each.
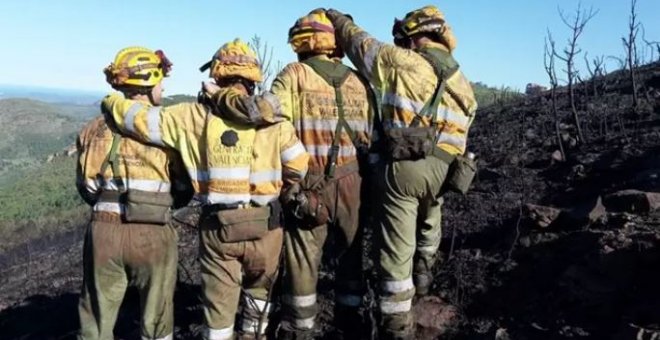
(243, 224)
(461, 174)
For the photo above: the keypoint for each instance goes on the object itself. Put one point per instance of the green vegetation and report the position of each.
(488, 95)
(40, 202)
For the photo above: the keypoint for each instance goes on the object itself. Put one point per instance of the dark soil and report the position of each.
(505, 277)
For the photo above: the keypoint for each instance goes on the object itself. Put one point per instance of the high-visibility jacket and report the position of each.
(227, 163)
(406, 81)
(141, 167)
(310, 103)
(301, 95)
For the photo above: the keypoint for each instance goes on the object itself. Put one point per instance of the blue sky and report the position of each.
(66, 44)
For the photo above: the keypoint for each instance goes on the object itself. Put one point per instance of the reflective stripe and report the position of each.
(198, 175)
(215, 197)
(458, 118)
(138, 184)
(265, 176)
(259, 304)
(331, 125)
(324, 151)
(398, 286)
(292, 152)
(428, 249)
(230, 173)
(129, 120)
(444, 112)
(153, 125)
(300, 300)
(393, 124)
(218, 334)
(113, 207)
(348, 300)
(167, 337)
(148, 185)
(305, 323)
(457, 140)
(262, 200)
(250, 326)
(404, 103)
(91, 185)
(390, 307)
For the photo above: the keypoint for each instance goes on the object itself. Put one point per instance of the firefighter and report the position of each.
(329, 106)
(238, 172)
(427, 108)
(128, 184)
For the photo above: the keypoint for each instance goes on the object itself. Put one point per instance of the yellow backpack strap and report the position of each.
(112, 160)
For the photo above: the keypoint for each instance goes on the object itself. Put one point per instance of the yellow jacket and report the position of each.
(142, 167)
(301, 95)
(310, 103)
(228, 163)
(406, 81)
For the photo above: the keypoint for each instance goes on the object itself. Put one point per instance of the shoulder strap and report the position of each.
(444, 63)
(444, 66)
(335, 74)
(112, 160)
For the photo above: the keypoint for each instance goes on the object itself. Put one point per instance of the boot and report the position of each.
(348, 323)
(422, 283)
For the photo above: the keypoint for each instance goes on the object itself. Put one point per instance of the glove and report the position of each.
(334, 14)
(289, 195)
(310, 209)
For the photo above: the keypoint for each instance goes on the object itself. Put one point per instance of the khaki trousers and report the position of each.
(410, 235)
(304, 249)
(228, 268)
(116, 254)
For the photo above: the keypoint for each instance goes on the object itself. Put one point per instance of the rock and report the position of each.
(588, 212)
(502, 334)
(633, 201)
(542, 216)
(557, 156)
(434, 317)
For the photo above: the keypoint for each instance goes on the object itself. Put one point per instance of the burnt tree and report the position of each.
(549, 64)
(630, 45)
(576, 25)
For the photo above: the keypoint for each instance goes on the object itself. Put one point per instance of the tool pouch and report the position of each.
(311, 209)
(461, 174)
(410, 143)
(148, 207)
(243, 224)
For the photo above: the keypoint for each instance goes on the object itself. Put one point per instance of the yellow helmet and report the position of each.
(234, 59)
(426, 19)
(137, 66)
(313, 33)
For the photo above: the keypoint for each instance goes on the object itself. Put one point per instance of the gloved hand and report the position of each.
(334, 14)
(210, 88)
(317, 10)
(289, 195)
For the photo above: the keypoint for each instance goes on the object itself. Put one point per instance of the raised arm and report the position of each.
(163, 126)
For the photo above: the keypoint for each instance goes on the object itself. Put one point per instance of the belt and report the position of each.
(341, 171)
(443, 155)
(214, 208)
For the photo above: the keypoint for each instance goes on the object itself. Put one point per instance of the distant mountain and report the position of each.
(50, 95)
(31, 130)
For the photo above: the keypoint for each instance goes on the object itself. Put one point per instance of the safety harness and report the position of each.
(139, 206)
(416, 141)
(335, 74)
